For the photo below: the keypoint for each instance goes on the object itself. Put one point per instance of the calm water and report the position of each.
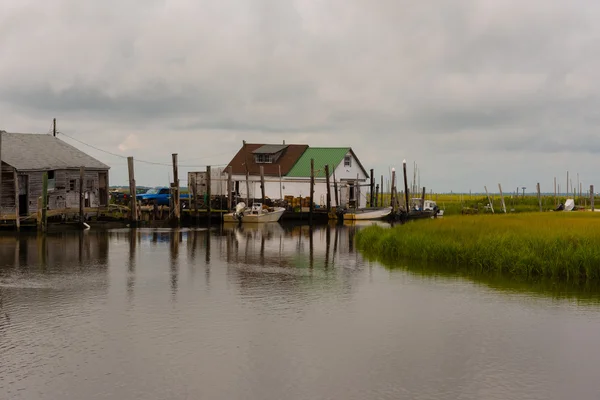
(273, 313)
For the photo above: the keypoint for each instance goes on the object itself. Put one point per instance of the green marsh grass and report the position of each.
(555, 245)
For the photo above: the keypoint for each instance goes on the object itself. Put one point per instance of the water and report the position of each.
(273, 313)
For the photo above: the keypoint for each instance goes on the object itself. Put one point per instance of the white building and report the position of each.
(287, 172)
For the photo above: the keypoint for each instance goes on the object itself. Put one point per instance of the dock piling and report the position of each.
(208, 193)
(312, 190)
(539, 196)
(81, 194)
(328, 188)
(176, 208)
(17, 211)
(45, 202)
(132, 190)
(406, 194)
(372, 189)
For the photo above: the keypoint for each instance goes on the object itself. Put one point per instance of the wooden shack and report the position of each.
(26, 157)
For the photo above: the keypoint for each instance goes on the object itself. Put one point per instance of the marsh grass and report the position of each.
(557, 245)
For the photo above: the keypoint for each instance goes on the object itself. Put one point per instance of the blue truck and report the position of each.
(160, 196)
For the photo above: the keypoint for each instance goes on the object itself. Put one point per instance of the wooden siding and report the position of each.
(63, 195)
(7, 203)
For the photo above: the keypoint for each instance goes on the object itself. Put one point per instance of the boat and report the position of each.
(430, 208)
(373, 213)
(256, 214)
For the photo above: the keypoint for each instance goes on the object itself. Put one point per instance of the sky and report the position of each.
(475, 92)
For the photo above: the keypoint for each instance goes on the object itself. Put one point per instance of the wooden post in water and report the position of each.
(381, 191)
(502, 198)
(132, 189)
(208, 193)
(176, 208)
(392, 191)
(376, 194)
(194, 193)
(335, 190)
(489, 200)
(17, 210)
(406, 194)
(1, 171)
(312, 191)
(423, 199)
(229, 188)
(81, 194)
(248, 189)
(539, 195)
(372, 190)
(592, 197)
(45, 202)
(328, 188)
(262, 184)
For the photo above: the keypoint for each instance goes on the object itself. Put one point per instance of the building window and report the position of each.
(263, 158)
(72, 185)
(347, 161)
(90, 184)
(51, 180)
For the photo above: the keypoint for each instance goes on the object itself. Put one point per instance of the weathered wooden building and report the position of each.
(25, 158)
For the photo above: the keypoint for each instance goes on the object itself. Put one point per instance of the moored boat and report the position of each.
(367, 213)
(256, 214)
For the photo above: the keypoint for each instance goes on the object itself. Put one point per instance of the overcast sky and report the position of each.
(476, 92)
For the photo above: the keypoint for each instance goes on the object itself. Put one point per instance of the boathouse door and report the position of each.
(23, 197)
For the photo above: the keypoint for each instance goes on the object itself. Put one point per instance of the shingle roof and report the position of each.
(27, 151)
(322, 156)
(287, 159)
(269, 149)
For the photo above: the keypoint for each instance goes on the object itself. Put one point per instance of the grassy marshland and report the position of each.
(556, 245)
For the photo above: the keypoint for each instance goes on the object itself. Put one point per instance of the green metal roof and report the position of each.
(322, 156)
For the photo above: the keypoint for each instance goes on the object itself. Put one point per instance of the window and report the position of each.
(164, 191)
(263, 158)
(90, 184)
(347, 161)
(72, 185)
(51, 180)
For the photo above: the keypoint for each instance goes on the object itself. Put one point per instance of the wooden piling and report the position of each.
(194, 193)
(248, 189)
(406, 193)
(372, 190)
(539, 196)
(328, 188)
(592, 197)
(230, 188)
(132, 190)
(555, 198)
(489, 200)
(81, 194)
(45, 202)
(423, 199)
(381, 191)
(280, 184)
(1, 171)
(176, 208)
(312, 190)
(262, 184)
(502, 198)
(335, 190)
(392, 190)
(17, 211)
(376, 194)
(208, 193)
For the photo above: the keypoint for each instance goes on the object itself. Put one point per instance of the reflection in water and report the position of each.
(280, 312)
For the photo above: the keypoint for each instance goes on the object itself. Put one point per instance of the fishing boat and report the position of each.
(430, 208)
(366, 213)
(255, 214)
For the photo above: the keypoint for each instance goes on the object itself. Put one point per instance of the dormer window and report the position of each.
(263, 158)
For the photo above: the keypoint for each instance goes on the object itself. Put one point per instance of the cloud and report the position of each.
(446, 84)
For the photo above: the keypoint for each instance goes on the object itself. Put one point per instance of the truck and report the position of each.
(161, 196)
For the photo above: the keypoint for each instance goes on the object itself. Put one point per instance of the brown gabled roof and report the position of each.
(288, 158)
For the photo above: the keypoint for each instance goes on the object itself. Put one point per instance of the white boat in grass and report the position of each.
(428, 206)
(367, 213)
(256, 214)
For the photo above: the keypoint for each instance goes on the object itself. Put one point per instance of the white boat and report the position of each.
(255, 214)
(367, 213)
(428, 205)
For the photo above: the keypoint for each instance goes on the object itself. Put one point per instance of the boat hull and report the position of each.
(363, 215)
(272, 216)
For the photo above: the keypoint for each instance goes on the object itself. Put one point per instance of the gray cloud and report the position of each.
(448, 84)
